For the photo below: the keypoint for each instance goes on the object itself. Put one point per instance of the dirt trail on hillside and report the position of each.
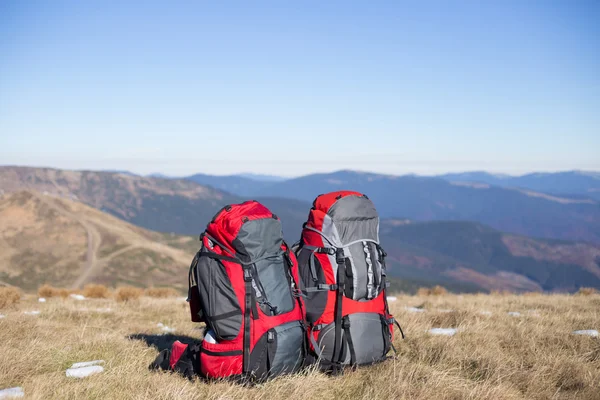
(94, 239)
(94, 224)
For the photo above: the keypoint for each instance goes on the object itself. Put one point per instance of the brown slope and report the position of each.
(165, 205)
(63, 242)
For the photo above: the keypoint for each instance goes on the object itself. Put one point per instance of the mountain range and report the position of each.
(65, 212)
(507, 208)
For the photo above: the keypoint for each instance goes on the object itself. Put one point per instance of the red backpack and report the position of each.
(343, 277)
(242, 283)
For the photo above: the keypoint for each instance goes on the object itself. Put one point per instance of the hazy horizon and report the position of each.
(291, 89)
(247, 173)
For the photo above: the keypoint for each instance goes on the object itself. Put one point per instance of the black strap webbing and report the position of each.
(341, 278)
(399, 327)
(320, 288)
(247, 311)
(348, 337)
(216, 256)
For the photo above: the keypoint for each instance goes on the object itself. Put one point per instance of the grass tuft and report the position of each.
(95, 291)
(433, 291)
(586, 291)
(9, 296)
(128, 293)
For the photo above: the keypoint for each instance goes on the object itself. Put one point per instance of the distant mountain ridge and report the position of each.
(580, 183)
(158, 204)
(432, 198)
(77, 244)
(449, 252)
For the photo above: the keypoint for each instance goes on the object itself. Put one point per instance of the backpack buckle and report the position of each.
(345, 323)
(247, 275)
(339, 257)
(270, 337)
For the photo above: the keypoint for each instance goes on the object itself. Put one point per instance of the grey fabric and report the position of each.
(326, 341)
(274, 281)
(288, 356)
(366, 330)
(359, 270)
(258, 238)
(367, 336)
(355, 218)
(217, 298)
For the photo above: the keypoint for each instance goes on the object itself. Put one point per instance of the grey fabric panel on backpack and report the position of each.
(213, 285)
(272, 274)
(290, 342)
(355, 218)
(326, 340)
(258, 238)
(367, 333)
(356, 255)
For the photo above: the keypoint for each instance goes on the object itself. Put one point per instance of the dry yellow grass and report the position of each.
(497, 356)
(587, 291)
(49, 292)
(9, 296)
(95, 291)
(161, 293)
(437, 290)
(128, 293)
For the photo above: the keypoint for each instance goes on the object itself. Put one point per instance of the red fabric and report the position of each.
(220, 366)
(177, 350)
(325, 201)
(226, 225)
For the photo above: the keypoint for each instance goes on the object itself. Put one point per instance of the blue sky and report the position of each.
(291, 88)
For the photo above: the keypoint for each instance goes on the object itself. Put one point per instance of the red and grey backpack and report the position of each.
(343, 279)
(243, 284)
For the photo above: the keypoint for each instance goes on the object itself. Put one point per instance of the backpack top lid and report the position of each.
(249, 230)
(343, 217)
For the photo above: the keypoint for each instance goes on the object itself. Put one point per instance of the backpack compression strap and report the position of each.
(341, 278)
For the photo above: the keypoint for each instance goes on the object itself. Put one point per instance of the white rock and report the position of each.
(485, 312)
(443, 331)
(167, 329)
(160, 325)
(392, 298)
(514, 313)
(35, 312)
(77, 296)
(587, 332)
(87, 364)
(445, 310)
(42, 300)
(414, 309)
(2, 316)
(84, 371)
(12, 393)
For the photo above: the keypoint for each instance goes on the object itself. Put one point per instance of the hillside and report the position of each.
(47, 239)
(523, 212)
(455, 252)
(163, 205)
(493, 355)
